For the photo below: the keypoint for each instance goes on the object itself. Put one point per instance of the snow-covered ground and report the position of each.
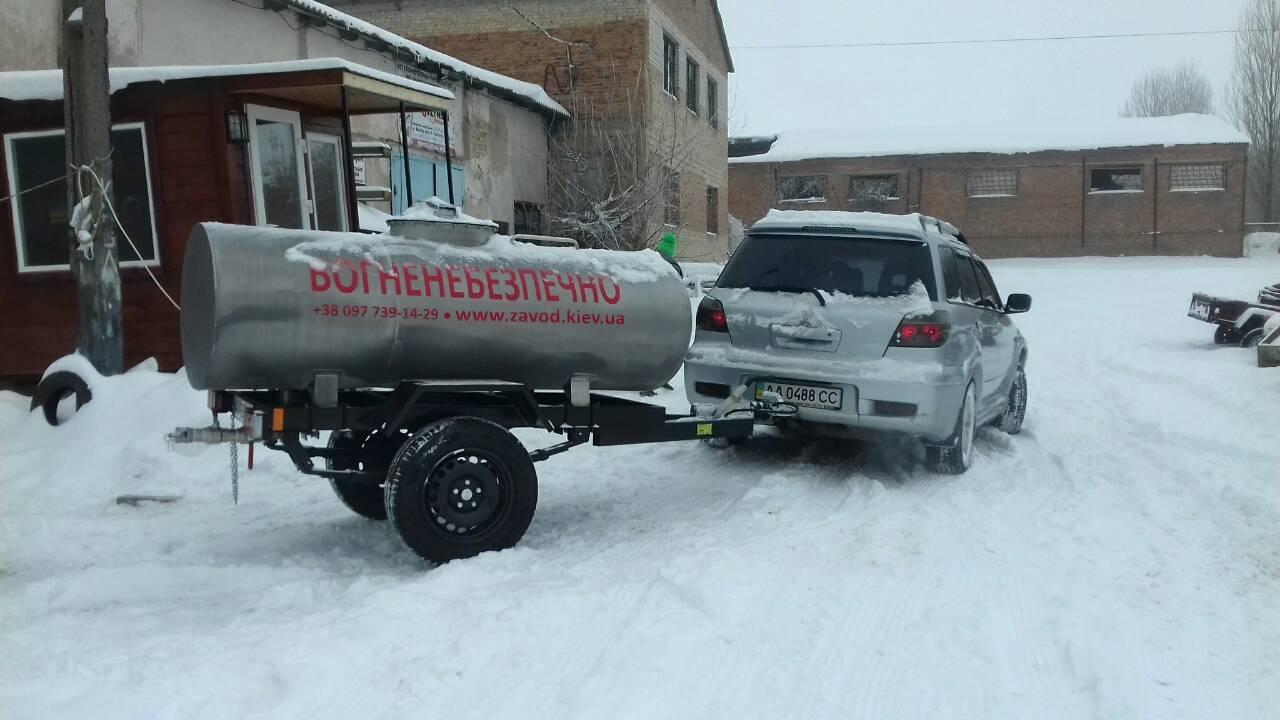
(1119, 559)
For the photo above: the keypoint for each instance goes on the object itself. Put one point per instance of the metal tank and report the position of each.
(274, 308)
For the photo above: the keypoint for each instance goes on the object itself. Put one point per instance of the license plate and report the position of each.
(812, 396)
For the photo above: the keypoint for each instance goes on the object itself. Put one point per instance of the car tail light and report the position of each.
(711, 316)
(927, 332)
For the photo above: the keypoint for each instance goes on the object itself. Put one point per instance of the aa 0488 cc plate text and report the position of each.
(814, 396)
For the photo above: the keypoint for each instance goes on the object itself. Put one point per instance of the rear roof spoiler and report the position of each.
(943, 227)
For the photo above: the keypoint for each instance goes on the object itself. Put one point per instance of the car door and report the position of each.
(997, 331)
(963, 296)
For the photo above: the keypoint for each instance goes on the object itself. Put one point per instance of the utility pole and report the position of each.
(87, 119)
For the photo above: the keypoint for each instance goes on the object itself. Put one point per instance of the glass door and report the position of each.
(328, 181)
(279, 179)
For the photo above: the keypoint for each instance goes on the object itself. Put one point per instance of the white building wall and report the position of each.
(701, 151)
(206, 32)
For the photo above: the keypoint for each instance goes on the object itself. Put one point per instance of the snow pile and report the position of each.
(433, 209)
(372, 219)
(381, 251)
(19, 85)
(872, 221)
(1262, 244)
(1004, 139)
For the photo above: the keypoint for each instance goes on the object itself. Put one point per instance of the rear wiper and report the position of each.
(791, 289)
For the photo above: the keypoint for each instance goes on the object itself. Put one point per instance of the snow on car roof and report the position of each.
(21, 85)
(913, 224)
(850, 142)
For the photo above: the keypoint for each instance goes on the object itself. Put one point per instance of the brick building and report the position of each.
(661, 63)
(1127, 186)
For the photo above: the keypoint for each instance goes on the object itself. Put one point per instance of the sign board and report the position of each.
(357, 168)
(426, 132)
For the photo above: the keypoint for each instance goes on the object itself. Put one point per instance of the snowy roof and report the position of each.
(529, 91)
(913, 224)
(999, 139)
(47, 84)
(372, 219)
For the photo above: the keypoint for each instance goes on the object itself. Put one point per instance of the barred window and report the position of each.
(872, 192)
(992, 182)
(1197, 177)
(803, 188)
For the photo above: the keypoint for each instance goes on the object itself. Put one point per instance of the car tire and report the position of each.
(956, 455)
(1225, 335)
(459, 471)
(1015, 412)
(1251, 338)
(56, 387)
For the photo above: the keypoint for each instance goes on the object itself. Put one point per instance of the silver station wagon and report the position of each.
(867, 324)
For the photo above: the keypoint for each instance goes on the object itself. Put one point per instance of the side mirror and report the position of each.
(1017, 303)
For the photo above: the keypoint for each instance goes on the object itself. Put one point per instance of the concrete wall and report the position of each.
(29, 34)
(204, 32)
(1053, 214)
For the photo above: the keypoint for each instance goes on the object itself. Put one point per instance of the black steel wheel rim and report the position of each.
(467, 494)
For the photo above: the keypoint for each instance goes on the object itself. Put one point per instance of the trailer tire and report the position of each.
(1251, 338)
(1225, 335)
(365, 499)
(459, 487)
(55, 387)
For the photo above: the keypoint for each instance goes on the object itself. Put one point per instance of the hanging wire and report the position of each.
(107, 201)
(33, 189)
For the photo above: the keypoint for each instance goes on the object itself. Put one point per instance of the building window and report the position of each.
(803, 189)
(872, 192)
(1115, 180)
(713, 102)
(670, 65)
(278, 171)
(328, 181)
(1192, 178)
(528, 218)
(992, 182)
(691, 76)
(671, 198)
(713, 210)
(40, 216)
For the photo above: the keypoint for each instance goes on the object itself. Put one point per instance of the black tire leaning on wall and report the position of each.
(56, 386)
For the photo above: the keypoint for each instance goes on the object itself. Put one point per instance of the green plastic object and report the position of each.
(667, 245)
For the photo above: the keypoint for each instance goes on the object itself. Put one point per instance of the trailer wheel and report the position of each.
(1225, 335)
(460, 487)
(365, 499)
(55, 388)
(1251, 338)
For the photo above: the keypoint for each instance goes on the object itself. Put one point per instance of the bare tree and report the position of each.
(614, 171)
(1170, 91)
(1253, 99)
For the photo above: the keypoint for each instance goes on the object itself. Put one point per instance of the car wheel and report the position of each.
(460, 487)
(1011, 419)
(1225, 335)
(956, 455)
(1251, 338)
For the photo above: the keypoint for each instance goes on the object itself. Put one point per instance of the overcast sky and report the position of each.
(1065, 81)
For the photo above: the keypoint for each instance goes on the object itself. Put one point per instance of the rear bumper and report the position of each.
(916, 399)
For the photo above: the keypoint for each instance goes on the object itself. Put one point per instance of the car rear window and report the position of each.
(858, 266)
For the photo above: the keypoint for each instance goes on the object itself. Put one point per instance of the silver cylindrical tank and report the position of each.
(273, 308)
